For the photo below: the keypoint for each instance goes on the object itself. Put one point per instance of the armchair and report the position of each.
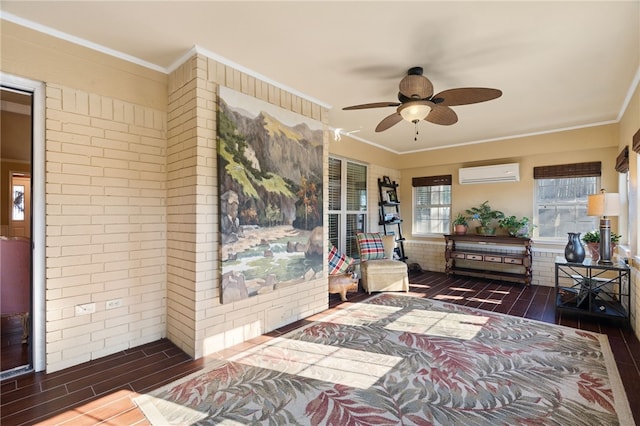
(380, 272)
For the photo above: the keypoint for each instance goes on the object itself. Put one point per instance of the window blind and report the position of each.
(431, 180)
(593, 168)
(356, 187)
(622, 161)
(335, 184)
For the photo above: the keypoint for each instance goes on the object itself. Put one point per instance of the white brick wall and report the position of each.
(196, 320)
(105, 225)
(428, 254)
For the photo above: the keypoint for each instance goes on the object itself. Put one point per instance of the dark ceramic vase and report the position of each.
(574, 251)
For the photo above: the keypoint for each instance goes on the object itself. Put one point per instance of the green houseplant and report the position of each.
(516, 227)
(460, 224)
(485, 216)
(594, 237)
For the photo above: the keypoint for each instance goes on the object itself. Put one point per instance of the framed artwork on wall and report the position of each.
(270, 184)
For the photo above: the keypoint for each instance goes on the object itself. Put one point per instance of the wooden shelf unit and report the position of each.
(480, 251)
(389, 205)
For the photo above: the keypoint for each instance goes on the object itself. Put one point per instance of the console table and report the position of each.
(488, 257)
(593, 289)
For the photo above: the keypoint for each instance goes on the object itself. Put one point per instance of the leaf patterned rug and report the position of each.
(399, 359)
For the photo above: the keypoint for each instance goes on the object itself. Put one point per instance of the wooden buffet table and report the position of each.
(502, 257)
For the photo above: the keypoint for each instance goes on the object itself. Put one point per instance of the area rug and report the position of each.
(399, 359)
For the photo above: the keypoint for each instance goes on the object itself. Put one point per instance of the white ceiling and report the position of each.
(560, 65)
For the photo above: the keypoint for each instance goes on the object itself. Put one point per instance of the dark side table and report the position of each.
(593, 290)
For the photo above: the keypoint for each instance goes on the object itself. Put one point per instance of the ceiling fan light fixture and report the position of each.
(415, 112)
(417, 102)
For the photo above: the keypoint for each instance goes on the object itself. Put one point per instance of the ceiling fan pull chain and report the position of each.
(416, 137)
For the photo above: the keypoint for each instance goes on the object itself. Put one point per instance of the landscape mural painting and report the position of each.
(270, 177)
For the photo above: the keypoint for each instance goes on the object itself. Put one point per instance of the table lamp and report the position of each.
(604, 204)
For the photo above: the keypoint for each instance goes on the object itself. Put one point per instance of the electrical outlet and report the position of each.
(112, 304)
(87, 308)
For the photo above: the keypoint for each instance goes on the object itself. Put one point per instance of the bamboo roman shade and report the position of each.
(622, 161)
(431, 180)
(636, 142)
(593, 168)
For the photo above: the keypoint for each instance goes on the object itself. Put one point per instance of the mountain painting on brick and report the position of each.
(270, 185)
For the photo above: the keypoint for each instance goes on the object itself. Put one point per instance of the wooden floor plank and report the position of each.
(97, 410)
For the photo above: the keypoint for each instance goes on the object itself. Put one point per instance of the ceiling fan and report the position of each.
(417, 101)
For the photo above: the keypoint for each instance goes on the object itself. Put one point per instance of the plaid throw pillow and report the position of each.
(338, 262)
(371, 246)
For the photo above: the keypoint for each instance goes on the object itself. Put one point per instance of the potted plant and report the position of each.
(485, 216)
(592, 240)
(516, 227)
(460, 224)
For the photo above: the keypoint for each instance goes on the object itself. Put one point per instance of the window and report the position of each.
(347, 204)
(561, 194)
(431, 204)
(18, 203)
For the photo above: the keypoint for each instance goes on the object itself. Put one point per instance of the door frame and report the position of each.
(38, 306)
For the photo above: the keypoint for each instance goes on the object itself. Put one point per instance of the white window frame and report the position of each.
(443, 208)
(346, 243)
(580, 224)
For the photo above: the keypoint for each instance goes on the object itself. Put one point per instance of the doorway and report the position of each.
(16, 284)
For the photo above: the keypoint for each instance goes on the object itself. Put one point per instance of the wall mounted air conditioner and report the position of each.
(490, 174)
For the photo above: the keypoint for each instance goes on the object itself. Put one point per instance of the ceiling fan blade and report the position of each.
(466, 96)
(442, 114)
(389, 121)
(416, 87)
(372, 105)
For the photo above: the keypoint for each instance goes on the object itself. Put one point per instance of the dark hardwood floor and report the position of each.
(101, 391)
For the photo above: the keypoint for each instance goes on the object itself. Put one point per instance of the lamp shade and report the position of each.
(603, 204)
(415, 111)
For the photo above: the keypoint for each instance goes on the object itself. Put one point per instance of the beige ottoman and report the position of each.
(384, 275)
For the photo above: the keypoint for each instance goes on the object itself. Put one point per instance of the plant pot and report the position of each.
(512, 232)
(594, 248)
(459, 229)
(485, 230)
(522, 232)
